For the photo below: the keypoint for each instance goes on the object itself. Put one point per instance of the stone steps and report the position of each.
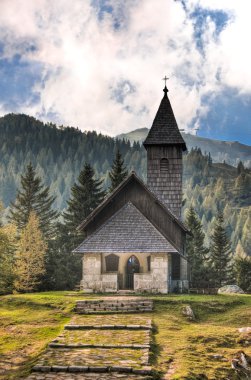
(85, 376)
(82, 345)
(88, 349)
(114, 306)
(93, 369)
(108, 327)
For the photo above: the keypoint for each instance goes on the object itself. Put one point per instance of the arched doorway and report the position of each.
(131, 268)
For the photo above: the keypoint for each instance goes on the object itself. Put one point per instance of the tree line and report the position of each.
(58, 155)
(35, 246)
(215, 265)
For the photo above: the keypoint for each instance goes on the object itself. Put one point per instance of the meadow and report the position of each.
(181, 349)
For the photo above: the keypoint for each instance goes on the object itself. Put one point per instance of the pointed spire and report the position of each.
(164, 130)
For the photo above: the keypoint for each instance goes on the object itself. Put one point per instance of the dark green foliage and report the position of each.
(86, 195)
(243, 273)
(58, 154)
(33, 196)
(64, 268)
(209, 188)
(118, 172)
(197, 253)
(220, 253)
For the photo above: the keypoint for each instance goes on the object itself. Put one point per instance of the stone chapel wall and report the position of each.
(157, 280)
(93, 280)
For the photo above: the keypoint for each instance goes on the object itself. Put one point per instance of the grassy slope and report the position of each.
(29, 322)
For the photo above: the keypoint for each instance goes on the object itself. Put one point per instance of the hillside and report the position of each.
(229, 151)
(59, 153)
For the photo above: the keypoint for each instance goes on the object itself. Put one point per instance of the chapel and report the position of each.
(135, 239)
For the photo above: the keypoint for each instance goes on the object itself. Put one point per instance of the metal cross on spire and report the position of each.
(165, 79)
(165, 89)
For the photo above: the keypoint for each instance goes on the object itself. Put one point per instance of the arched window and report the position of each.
(164, 165)
(112, 263)
(133, 265)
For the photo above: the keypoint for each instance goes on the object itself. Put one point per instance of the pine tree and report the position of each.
(118, 172)
(86, 195)
(220, 253)
(196, 251)
(33, 196)
(30, 256)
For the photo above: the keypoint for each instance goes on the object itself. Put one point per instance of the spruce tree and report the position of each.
(30, 256)
(196, 251)
(118, 172)
(33, 196)
(86, 195)
(220, 253)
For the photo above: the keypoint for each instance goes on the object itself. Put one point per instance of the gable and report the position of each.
(128, 230)
(133, 190)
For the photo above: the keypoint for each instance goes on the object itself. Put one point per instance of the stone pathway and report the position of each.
(88, 348)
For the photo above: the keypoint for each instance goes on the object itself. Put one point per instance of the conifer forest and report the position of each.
(63, 164)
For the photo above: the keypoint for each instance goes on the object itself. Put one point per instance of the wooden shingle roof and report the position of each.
(128, 230)
(131, 177)
(164, 130)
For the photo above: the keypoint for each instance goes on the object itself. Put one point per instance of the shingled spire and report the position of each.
(164, 145)
(164, 129)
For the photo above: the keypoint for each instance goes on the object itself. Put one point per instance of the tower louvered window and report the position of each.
(164, 165)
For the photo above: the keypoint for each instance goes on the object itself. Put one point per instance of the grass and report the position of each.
(204, 347)
(182, 349)
(27, 324)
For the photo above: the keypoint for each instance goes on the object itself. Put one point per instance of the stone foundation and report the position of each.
(100, 283)
(93, 279)
(157, 280)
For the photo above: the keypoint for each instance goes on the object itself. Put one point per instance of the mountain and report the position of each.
(229, 151)
(59, 153)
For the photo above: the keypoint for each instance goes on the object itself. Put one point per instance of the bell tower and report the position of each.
(165, 145)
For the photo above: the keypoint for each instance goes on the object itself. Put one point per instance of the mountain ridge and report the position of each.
(229, 151)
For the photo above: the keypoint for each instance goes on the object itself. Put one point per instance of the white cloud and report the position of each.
(85, 59)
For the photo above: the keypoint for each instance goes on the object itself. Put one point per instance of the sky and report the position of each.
(98, 64)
